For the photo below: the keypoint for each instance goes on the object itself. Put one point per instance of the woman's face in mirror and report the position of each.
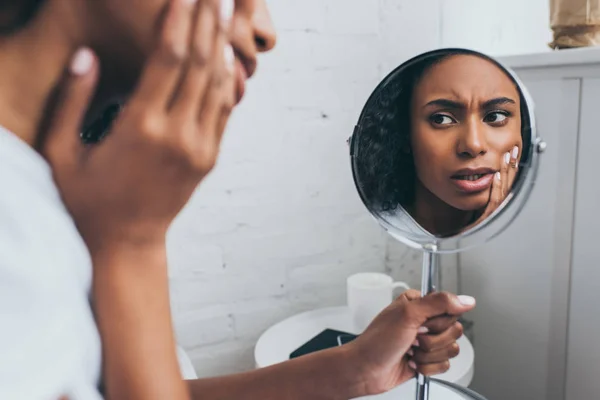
(465, 116)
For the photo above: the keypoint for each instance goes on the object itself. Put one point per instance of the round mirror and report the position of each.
(445, 151)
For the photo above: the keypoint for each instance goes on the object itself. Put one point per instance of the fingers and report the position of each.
(440, 324)
(514, 154)
(509, 170)
(503, 180)
(228, 104)
(220, 92)
(63, 137)
(513, 167)
(411, 294)
(422, 358)
(186, 87)
(433, 325)
(163, 70)
(433, 352)
(430, 343)
(431, 369)
(504, 171)
(438, 304)
(497, 193)
(201, 64)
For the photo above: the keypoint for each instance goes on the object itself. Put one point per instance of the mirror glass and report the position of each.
(444, 144)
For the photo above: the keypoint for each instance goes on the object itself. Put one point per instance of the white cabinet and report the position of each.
(538, 283)
(583, 346)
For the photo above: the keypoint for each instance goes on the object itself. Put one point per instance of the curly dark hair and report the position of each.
(15, 14)
(387, 178)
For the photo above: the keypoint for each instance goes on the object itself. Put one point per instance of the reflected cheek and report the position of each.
(421, 154)
(429, 152)
(505, 144)
(429, 168)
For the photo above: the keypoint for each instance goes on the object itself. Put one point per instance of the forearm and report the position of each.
(326, 375)
(131, 301)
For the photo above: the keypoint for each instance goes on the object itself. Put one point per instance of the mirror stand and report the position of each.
(429, 283)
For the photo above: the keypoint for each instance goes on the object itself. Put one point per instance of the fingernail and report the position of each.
(190, 2)
(498, 175)
(506, 158)
(227, 7)
(229, 57)
(466, 300)
(416, 343)
(82, 62)
(423, 329)
(410, 352)
(515, 152)
(412, 365)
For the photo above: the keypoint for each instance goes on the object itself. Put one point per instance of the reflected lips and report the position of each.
(473, 180)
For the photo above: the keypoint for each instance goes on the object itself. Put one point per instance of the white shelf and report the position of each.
(554, 58)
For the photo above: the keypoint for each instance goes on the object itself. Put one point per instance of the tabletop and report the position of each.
(277, 342)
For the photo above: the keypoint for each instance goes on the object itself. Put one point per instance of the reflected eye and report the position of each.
(496, 117)
(442, 119)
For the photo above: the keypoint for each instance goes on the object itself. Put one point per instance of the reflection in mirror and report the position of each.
(440, 142)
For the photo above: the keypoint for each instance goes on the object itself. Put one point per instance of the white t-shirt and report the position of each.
(49, 343)
(401, 219)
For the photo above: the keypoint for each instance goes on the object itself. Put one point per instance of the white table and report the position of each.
(185, 364)
(276, 344)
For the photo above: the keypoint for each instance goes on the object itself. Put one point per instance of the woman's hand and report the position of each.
(501, 185)
(128, 189)
(414, 334)
(503, 182)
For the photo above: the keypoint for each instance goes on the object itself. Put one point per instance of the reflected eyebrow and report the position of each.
(445, 103)
(458, 105)
(498, 101)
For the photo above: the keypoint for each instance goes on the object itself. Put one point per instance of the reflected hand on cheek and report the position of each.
(502, 184)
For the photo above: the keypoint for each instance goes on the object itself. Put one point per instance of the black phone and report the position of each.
(324, 340)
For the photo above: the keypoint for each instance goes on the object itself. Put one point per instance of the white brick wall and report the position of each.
(277, 227)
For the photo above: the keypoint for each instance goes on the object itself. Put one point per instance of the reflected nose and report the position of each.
(265, 36)
(472, 141)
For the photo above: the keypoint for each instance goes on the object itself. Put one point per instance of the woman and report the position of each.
(79, 221)
(444, 141)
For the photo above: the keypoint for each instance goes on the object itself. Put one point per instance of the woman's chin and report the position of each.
(475, 203)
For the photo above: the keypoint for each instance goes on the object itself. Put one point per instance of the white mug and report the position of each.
(368, 294)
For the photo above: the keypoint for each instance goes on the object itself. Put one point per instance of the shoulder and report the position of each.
(48, 331)
(39, 243)
(45, 277)
(33, 217)
(41, 251)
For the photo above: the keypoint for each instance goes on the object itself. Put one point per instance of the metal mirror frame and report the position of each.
(503, 216)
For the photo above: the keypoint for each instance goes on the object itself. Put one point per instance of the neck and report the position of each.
(33, 62)
(437, 216)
